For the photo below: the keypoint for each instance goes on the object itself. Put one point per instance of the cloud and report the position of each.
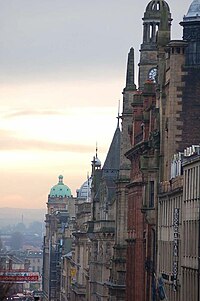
(4, 134)
(11, 199)
(66, 112)
(21, 113)
(9, 142)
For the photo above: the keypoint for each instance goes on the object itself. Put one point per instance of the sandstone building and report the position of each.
(166, 114)
(135, 236)
(59, 218)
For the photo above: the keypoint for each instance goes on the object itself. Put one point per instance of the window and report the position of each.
(151, 194)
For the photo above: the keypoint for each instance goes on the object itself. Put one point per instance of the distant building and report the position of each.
(86, 270)
(35, 259)
(13, 265)
(59, 224)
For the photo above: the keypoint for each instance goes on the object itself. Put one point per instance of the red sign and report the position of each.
(19, 277)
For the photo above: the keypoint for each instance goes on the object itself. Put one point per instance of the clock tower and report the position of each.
(149, 51)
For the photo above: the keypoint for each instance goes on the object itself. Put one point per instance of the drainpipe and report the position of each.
(50, 254)
(154, 263)
(198, 286)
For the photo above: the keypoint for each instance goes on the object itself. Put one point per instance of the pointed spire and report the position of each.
(112, 161)
(130, 75)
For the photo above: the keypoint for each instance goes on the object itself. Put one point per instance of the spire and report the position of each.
(130, 75)
(112, 162)
(118, 116)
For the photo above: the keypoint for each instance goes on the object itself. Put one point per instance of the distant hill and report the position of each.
(13, 216)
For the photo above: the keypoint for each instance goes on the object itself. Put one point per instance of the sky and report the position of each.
(62, 72)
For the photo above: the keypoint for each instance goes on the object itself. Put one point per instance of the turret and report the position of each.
(156, 30)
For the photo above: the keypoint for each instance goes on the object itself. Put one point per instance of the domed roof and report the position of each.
(85, 191)
(194, 10)
(60, 190)
(97, 162)
(157, 5)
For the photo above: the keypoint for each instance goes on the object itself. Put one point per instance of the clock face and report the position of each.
(152, 74)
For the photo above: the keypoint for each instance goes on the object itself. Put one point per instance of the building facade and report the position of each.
(75, 262)
(178, 228)
(79, 290)
(59, 222)
(163, 107)
(101, 228)
(181, 110)
(117, 280)
(145, 156)
(190, 236)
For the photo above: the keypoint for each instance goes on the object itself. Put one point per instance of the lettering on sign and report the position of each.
(175, 247)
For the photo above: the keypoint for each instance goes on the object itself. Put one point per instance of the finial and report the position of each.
(60, 179)
(96, 162)
(118, 116)
(96, 149)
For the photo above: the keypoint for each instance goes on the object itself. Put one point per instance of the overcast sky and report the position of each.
(62, 71)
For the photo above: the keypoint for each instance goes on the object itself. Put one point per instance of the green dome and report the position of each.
(60, 190)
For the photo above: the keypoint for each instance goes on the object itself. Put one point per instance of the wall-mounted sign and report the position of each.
(175, 247)
(10, 276)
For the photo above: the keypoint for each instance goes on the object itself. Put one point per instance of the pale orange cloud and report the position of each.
(13, 144)
(13, 200)
(21, 113)
(10, 142)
